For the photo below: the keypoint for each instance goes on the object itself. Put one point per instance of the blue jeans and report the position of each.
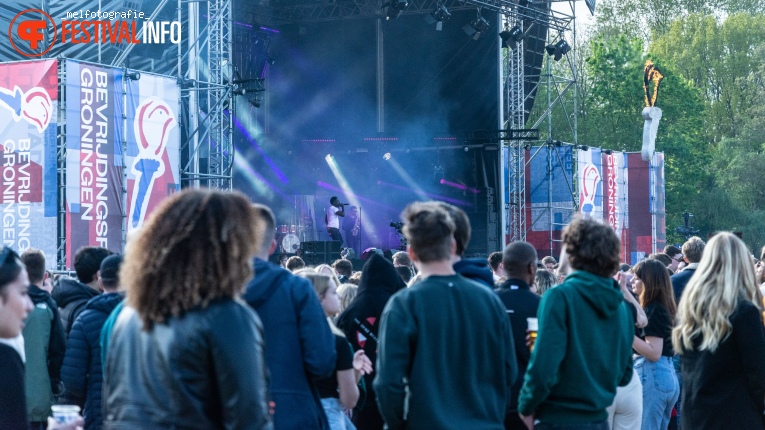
(336, 416)
(660, 391)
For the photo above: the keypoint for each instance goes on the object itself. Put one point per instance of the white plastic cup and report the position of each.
(532, 327)
(65, 414)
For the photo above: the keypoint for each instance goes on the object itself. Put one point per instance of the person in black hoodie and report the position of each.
(360, 322)
(475, 269)
(71, 295)
(520, 264)
(81, 373)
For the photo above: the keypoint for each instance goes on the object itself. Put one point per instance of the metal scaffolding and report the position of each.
(521, 83)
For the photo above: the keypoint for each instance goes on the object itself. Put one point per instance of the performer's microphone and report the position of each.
(345, 204)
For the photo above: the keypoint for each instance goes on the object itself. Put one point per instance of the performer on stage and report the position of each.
(352, 230)
(332, 219)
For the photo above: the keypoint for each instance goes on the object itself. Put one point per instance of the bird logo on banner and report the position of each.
(590, 180)
(34, 106)
(152, 125)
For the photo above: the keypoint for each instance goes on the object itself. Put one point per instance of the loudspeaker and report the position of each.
(320, 252)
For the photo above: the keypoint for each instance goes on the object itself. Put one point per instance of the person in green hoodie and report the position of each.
(583, 349)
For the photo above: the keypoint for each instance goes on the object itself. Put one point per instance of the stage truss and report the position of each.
(520, 82)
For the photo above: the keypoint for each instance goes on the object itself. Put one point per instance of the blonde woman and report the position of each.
(721, 341)
(347, 293)
(339, 392)
(326, 269)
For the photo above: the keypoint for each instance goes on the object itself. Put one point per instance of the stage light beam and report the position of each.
(386, 156)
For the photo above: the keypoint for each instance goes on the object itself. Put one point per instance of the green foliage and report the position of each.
(717, 58)
(613, 117)
(712, 54)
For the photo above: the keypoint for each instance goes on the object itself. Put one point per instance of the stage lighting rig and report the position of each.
(394, 8)
(511, 36)
(478, 27)
(438, 16)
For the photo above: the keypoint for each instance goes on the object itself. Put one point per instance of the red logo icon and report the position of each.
(31, 33)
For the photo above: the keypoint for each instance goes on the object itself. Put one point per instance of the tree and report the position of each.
(613, 119)
(717, 58)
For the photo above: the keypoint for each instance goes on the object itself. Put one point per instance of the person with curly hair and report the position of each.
(185, 352)
(573, 373)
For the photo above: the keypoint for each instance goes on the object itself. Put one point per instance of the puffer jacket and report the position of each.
(201, 370)
(44, 345)
(81, 373)
(71, 296)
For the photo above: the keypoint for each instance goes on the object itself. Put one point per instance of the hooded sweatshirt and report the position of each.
(582, 353)
(299, 344)
(361, 323)
(476, 269)
(71, 296)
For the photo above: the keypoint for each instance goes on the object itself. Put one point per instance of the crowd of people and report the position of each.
(194, 328)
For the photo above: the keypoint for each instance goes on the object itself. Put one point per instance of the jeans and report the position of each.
(676, 362)
(626, 413)
(660, 391)
(336, 416)
(334, 233)
(589, 426)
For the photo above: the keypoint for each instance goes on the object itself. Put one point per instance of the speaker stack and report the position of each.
(320, 252)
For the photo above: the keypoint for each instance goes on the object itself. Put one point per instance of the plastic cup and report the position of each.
(532, 327)
(64, 414)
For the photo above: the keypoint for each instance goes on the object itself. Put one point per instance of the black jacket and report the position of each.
(71, 296)
(521, 303)
(724, 389)
(81, 373)
(361, 321)
(202, 370)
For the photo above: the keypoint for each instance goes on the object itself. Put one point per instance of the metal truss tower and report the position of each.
(513, 116)
(522, 83)
(207, 94)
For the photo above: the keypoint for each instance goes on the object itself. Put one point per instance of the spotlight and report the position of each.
(328, 158)
(394, 8)
(584, 147)
(239, 91)
(511, 37)
(186, 83)
(466, 148)
(608, 151)
(386, 156)
(438, 16)
(133, 76)
(558, 143)
(476, 28)
(527, 147)
(558, 50)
